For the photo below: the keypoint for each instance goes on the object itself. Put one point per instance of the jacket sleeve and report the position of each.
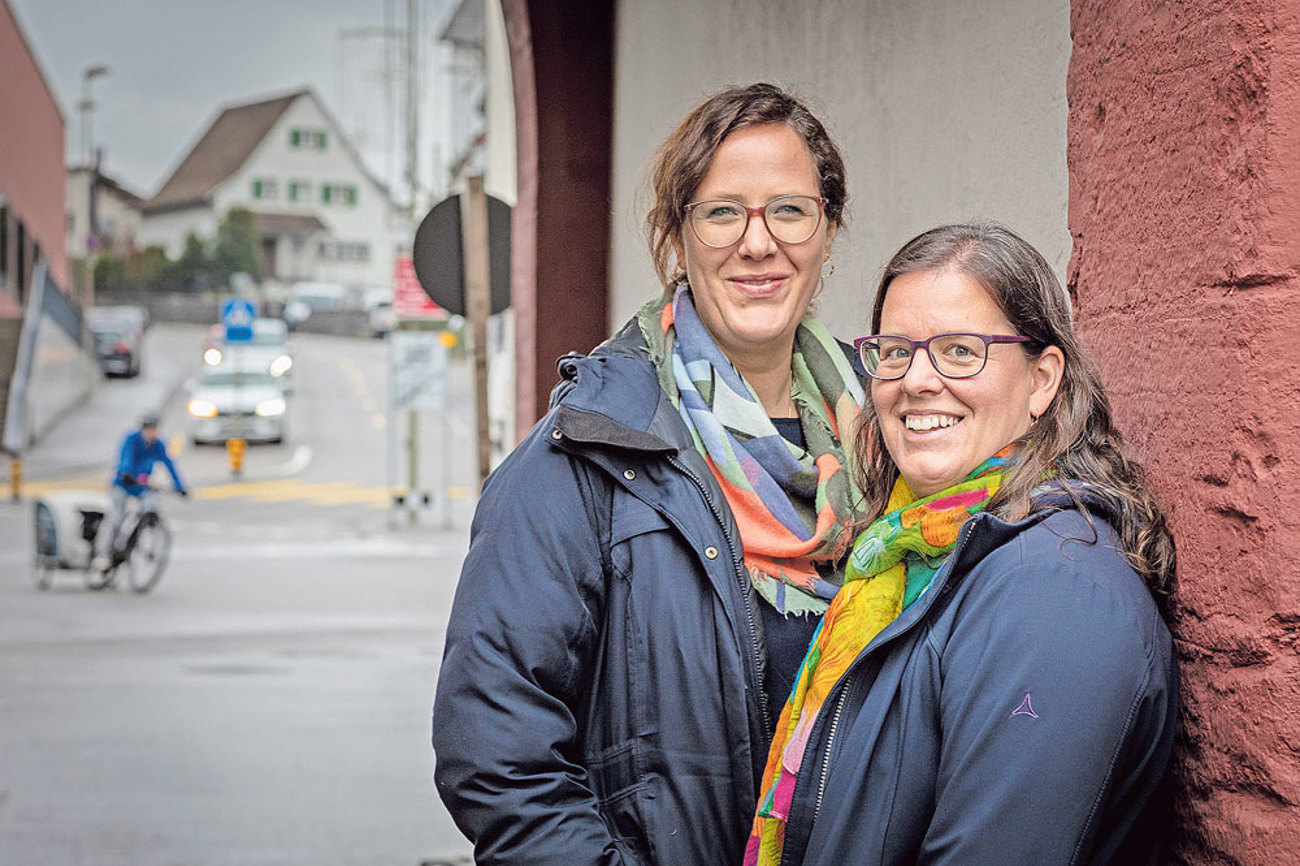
(1057, 703)
(166, 460)
(519, 649)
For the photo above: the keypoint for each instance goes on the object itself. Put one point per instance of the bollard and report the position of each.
(236, 448)
(16, 477)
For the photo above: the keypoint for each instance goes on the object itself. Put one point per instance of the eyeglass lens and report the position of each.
(792, 219)
(956, 355)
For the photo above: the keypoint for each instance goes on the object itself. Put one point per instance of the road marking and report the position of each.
(97, 480)
(327, 493)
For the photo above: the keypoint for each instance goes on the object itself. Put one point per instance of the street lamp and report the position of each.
(87, 105)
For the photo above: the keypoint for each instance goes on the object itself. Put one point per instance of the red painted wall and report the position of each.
(1184, 158)
(562, 67)
(31, 146)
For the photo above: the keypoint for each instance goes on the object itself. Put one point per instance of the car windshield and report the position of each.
(267, 338)
(222, 378)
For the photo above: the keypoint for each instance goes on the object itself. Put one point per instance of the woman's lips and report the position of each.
(759, 283)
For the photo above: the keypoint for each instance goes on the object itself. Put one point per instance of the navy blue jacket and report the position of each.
(1021, 711)
(600, 696)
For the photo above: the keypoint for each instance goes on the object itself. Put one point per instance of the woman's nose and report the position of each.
(922, 377)
(757, 242)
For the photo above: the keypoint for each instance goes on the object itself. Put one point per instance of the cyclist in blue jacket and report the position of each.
(141, 450)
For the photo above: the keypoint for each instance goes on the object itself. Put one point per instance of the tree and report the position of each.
(238, 247)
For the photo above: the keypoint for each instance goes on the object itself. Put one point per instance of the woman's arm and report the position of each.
(519, 651)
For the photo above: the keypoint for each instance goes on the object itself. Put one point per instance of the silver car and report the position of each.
(235, 401)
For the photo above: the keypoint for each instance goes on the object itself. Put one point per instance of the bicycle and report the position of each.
(141, 549)
(140, 552)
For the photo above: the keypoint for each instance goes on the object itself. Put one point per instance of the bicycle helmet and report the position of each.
(149, 419)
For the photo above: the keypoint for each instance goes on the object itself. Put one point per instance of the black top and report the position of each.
(787, 636)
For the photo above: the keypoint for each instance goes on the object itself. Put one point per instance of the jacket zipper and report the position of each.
(826, 759)
(842, 685)
(755, 650)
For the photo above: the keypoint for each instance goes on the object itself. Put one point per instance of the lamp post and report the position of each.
(87, 108)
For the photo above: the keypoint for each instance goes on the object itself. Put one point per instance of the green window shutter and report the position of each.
(352, 195)
(257, 189)
(295, 137)
(325, 193)
(320, 140)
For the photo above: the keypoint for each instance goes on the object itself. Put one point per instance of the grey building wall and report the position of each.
(945, 109)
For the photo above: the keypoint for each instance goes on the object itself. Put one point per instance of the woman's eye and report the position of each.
(895, 353)
(722, 212)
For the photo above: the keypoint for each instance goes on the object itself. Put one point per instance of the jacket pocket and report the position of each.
(617, 783)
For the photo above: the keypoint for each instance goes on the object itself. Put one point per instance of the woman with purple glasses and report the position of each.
(994, 682)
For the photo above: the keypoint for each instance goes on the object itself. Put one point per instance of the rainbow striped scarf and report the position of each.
(793, 507)
(892, 564)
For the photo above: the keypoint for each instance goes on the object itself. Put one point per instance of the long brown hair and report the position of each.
(684, 159)
(1074, 439)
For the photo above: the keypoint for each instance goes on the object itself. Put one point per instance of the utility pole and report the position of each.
(413, 191)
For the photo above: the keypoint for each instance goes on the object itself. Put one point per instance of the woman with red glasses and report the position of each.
(994, 682)
(648, 566)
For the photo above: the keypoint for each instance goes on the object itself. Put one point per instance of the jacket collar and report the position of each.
(613, 397)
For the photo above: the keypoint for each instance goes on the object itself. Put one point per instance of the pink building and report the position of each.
(31, 169)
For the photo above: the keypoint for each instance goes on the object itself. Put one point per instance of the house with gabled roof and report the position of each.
(321, 215)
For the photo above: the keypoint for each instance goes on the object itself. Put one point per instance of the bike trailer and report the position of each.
(66, 524)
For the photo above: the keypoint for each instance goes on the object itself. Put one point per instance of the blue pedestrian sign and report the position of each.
(238, 315)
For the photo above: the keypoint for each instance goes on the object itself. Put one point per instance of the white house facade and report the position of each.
(320, 214)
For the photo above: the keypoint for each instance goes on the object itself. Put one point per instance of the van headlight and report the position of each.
(212, 357)
(270, 408)
(281, 365)
(202, 408)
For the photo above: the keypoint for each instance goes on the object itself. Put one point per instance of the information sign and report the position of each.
(418, 362)
(237, 316)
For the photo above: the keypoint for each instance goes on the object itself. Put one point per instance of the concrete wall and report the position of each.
(945, 111)
(1184, 161)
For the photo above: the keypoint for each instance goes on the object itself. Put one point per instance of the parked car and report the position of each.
(268, 350)
(380, 315)
(307, 298)
(118, 342)
(233, 401)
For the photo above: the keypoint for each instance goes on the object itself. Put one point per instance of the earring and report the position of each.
(829, 271)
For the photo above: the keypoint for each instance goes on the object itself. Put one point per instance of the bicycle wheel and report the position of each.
(147, 559)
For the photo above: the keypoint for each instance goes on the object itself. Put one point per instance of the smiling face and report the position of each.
(752, 294)
(937, 430)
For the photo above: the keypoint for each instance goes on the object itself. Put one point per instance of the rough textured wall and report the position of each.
(945, 111)
(1184, 155)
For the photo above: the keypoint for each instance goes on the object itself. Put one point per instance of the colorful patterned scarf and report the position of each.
(890, 567)
(793, 507)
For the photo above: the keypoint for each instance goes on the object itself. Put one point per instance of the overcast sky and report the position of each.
(175, 62)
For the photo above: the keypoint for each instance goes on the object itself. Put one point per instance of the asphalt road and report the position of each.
(268, 702)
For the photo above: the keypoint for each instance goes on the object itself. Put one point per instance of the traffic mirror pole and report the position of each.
(474, 231)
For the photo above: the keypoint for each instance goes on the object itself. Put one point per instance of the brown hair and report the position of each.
(684, 158)
(1074, 439)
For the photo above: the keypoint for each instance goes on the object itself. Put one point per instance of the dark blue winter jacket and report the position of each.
(600, 696)
(1021, 711)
